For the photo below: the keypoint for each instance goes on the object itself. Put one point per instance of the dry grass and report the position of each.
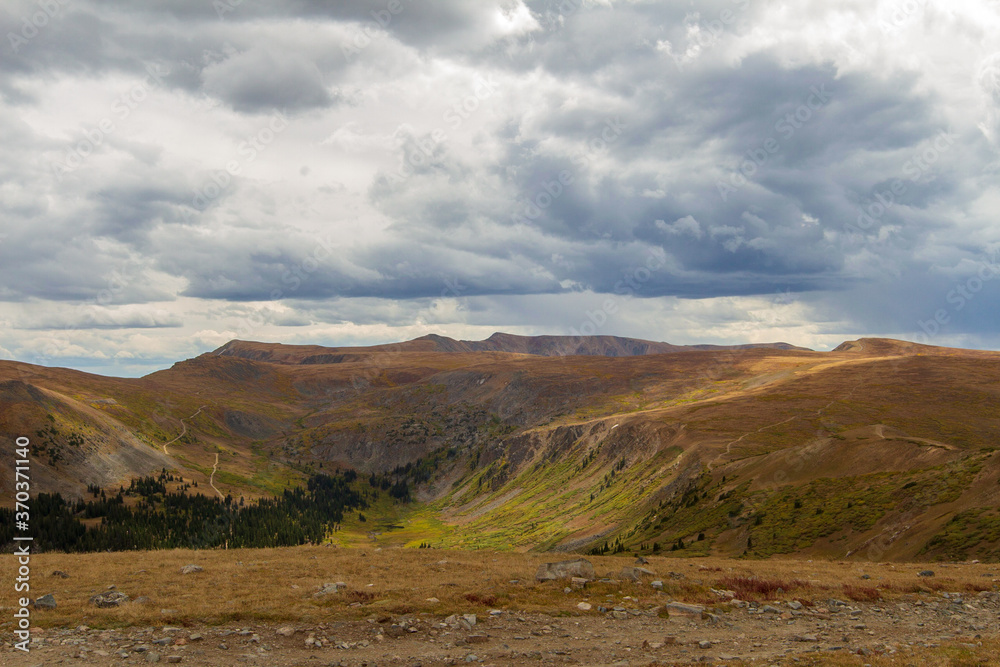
(278, 584)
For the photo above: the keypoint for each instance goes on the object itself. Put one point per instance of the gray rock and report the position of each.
(108, 599)
(192, 569)
(658, 585)
(925, 573)
(285, 631)
(704, 644)
(805, 638)
(795, 604)
(45, 602)
(681, 609)
(60, 574)
(566, 569)
(152, 657)
(769, 609)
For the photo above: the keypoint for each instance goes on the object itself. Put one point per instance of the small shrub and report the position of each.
(862, 593)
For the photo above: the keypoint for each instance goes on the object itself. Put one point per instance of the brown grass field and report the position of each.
(268, 588)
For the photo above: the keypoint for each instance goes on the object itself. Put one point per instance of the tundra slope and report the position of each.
(879, 449)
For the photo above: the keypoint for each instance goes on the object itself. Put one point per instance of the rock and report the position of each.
(108, 599)
(578, 583)
(658, 585)
(192, 569)
(704, 644)
(619, 615)
(769, 609)
(477, 639)
(584, 606)
(566, 569)
(285, 631)
(60, 574)
(682, 610)
(45, 602)
(795, 604)
(195, 637)
(469, 619)
(805, 638)
(173, 659)
(925, 573)
(152, 657)
(641, 561)
(395, 630)
(433, 600)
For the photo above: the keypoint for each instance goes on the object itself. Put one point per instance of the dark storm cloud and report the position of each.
(697, 142)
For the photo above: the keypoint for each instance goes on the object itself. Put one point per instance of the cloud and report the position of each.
(263, 80)
(468, 167)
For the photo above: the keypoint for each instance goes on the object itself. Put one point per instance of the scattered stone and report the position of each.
(658, 585)
(477, 639)
(566, 569)
(45, 602)
(805, 638)
(769, 609)
(704, 644)
(584, 606)
(152, 657)
(795, 604)
(682, 610)
(192, 569)
(328, 588)
(925, 573)
(108, 599)
(285, 631)
(641, 561)
(195, 637)
(578, 583)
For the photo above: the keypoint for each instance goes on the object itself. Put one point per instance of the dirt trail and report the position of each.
(211, 480)
(183, 429)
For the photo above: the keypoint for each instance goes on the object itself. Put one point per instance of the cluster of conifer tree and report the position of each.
(148, 516)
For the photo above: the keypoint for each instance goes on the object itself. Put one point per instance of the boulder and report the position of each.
(681, 610)
(566, 569)
(108, 599)
(45, 602)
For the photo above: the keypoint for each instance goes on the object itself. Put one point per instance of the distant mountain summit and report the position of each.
(543, 346)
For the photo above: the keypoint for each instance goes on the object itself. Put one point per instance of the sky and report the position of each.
(179, 173)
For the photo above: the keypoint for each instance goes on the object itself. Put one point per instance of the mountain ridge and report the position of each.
(752, 450)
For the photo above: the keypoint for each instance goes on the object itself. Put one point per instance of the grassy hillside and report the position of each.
(877, 450)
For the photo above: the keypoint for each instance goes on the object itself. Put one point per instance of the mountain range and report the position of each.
(879, 449)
